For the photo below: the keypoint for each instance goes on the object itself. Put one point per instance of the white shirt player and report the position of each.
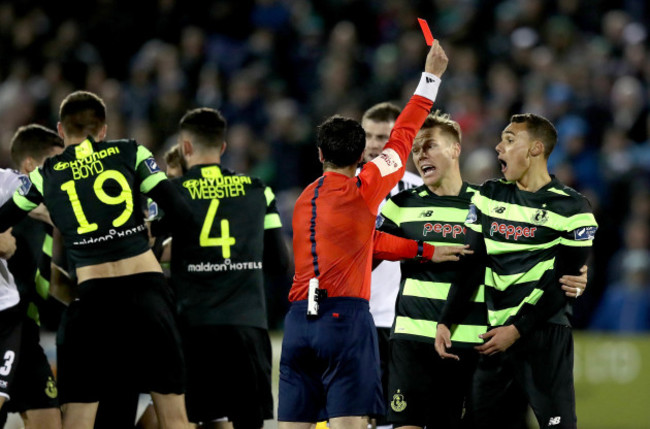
(9, 182)
(384, 285)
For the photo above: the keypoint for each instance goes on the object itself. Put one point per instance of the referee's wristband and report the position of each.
(425, 251)
(428, 86)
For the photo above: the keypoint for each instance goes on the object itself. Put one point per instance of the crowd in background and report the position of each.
(277, 68)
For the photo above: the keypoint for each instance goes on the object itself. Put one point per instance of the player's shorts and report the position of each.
(330, 365)
(542, 365)
(423, 388)
(11, 326)
(34, 386)
(123, 331)
(383, 336)
(228, 374)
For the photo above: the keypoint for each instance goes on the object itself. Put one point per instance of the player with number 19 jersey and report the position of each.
(93, 192)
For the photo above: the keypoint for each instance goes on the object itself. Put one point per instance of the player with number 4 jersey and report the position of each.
(217, 273)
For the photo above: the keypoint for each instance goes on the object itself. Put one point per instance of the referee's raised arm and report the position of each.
(380, 175)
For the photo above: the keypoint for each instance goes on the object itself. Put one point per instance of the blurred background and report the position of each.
(277, 68)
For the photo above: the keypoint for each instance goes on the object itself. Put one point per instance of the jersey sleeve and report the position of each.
(272, 217)
(388, 220)
(579, 230)
(147, 169)
(380, 175)
(29, 193)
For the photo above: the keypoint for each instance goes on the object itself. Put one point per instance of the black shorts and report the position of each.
(425, 390)
(121, 330)
(383, 335)
(228, 374)
(34, 385)
(541, 365)
(11, 326)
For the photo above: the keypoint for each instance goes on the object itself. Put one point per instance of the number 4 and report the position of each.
(225, 241)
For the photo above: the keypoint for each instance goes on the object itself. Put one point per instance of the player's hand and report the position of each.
(443, 342)
(436, 60)
(500, 339)
(450, 253)
(574, 286)
(7, 244)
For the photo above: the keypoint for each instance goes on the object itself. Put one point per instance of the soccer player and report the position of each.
(123, 319)
(218, 278)
(377, 123)
(330, 365)
(34, 393)
(435, 213)
(527, 230)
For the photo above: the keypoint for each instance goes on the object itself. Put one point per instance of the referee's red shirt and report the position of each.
(334, 217)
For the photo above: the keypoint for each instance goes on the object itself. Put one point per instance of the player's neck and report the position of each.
(346, 171)
(206, 158)
(448, 186)
(534, 179)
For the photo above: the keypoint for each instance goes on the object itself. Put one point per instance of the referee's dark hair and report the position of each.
(539, 128)
(208, 126)
(82, 113)
(342, 141)
(34, 141)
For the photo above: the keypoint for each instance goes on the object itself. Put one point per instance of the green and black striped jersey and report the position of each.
(524, 233)
(419, 214)
(92, 191)
(216, 270)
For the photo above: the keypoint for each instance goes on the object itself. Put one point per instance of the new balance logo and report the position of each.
(429, 80)
(426, 213)
(554, 421)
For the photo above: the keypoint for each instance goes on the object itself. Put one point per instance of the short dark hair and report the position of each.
(208, 126)
(539, 128)
(445, 123)
(82, 113)
(33, 140)
(174, 158)
(342, 141)
(382, 112)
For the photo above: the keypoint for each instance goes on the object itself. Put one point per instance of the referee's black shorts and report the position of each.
(541, 364)
(121, 331)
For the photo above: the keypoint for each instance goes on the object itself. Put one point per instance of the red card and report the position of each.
(428, 37)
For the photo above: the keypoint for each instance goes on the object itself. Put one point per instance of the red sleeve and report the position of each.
(380, 175)
(393, 248)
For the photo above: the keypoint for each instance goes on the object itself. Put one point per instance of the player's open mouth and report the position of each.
(504, 165)
(427, 169)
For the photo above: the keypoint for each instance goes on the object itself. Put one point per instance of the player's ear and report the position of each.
(59, 129)
(537, 149)
(223, 147)
(456, 149)
(186, 147)
(102, 133)
(320, 156)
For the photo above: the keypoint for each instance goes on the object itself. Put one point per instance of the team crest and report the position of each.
(50, 389)
(540, 217)
(398, 404)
